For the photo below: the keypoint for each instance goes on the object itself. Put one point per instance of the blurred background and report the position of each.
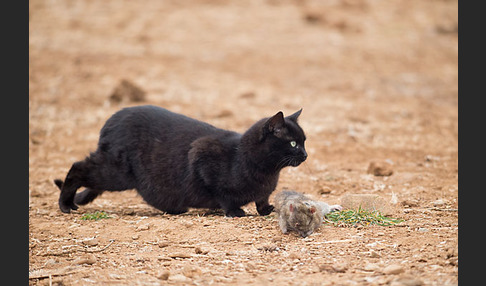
(375, 78)
(233, 62)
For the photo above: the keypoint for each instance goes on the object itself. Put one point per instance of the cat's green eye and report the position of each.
(293, 143)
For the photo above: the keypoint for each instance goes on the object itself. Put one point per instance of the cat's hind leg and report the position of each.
(97, 173)
(86, 196)
(74, 180)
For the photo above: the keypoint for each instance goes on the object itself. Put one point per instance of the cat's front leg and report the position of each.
(231, 208)
(263, 207)
(237, 212)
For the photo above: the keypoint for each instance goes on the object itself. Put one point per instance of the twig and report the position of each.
(445, 210)
(99, 250)
(41, 273)
(338, 241)
(73, 250)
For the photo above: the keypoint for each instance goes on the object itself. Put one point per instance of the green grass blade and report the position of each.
(360, 216)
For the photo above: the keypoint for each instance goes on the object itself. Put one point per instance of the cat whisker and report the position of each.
(311, 172)
(285, 161)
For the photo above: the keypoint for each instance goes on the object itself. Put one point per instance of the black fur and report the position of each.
(176, 162)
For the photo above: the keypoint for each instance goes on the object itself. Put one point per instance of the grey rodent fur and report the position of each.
(298, 212)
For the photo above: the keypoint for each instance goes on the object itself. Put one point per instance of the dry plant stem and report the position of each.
(82, 249)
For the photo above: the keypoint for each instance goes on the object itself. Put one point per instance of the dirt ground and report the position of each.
(377, 81)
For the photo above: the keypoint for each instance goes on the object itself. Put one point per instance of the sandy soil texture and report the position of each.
(377, 81)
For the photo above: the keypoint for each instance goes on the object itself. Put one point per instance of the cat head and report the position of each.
(283, 139)
(304, 218)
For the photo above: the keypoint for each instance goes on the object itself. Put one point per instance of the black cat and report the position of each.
(176, 162)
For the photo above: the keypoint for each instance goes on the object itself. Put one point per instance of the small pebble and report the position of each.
(294, 255)
(374, 254)
(200, 250)
(91, 242)
(337, 268)
(407, 280)
(393, 269)
(371, 267)
(117, 276)
(439, 203)
(191, 271)
(143, 227)
(178, 278)
(163, 275)
(127, 90)
(380, 169)
(163, 244)
(87, 259)
(187, 224)
(179, 255)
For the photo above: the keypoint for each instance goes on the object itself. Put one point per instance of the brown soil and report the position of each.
(377, 81)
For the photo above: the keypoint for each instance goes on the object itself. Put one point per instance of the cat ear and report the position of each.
(275, 123)
(291, 208)
(295, 116)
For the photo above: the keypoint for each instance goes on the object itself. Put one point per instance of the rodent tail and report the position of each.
(59, 183)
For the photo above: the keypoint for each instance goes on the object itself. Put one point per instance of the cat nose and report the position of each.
(304, 154)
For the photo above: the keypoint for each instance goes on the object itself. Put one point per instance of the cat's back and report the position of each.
(149, 122)
(151, 116)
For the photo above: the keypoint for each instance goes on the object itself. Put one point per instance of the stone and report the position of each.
(191, 271)
(201, 250)
(407, 280)
(178, 278)
(374, 254)
(127, 90)
(393, 269)
(163, 244)
(179, 255)
(86, 259)
(294, 255)
(163, 275)
(143, 227)
(91, 242)
(380, 168)
(371, 267)
(323, 190)
(333, 268)
(439, 203)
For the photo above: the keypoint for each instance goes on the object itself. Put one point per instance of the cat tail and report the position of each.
(59, 183)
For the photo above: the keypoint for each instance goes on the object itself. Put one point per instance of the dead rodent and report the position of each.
(299, 213)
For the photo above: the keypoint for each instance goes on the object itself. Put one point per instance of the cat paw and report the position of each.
(235, 213)
(266, 210)
(176, 212)
(66, 208)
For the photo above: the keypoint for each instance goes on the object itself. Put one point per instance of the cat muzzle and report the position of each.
(296, 161)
